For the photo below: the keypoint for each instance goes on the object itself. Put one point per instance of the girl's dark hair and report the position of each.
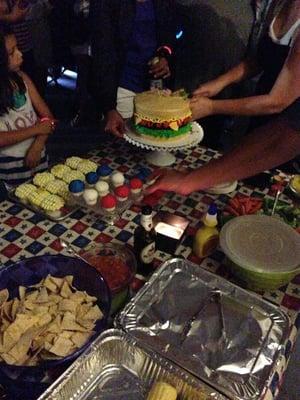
(9, 80)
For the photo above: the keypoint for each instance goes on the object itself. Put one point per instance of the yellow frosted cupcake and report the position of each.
(52, 205)
(58, 187)
(38, 196)
(72, 176)
(86, 166)
(73, 162)
(60, 170)
(42, 179)
(23, 191)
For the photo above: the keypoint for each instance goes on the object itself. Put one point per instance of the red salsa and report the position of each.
(113, 269)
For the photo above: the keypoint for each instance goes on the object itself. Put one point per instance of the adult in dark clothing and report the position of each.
(128, 34)
(277, 58)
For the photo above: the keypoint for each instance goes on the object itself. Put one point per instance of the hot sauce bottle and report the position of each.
(144, 242)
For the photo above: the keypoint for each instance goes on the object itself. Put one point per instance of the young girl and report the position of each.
(23, 134)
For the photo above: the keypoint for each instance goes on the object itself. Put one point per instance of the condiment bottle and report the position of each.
(144, 242)
(155, 83)
(207, 236)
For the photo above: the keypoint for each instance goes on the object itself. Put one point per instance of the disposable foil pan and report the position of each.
(116, 367)
(219, 332)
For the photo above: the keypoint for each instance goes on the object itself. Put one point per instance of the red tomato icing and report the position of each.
(113, 269)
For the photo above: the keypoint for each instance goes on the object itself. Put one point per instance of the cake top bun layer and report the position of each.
(160, 106)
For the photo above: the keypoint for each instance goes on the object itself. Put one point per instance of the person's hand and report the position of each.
(45, 127)
(160, 69)
(169, 181)
(209, 89)
(115, 124)
(18, 13)
(3, 7)
(201, 107)
(33, 155)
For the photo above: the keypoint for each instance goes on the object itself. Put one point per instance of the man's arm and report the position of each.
(266, 147)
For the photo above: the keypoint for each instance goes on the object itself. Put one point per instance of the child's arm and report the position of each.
(33, 156)
(38, 103)
(8, 138)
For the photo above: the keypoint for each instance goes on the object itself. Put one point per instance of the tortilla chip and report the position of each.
(61, 347)
(4, 295)
(50, 320)
(94, 313)
(65, 290)
(67, 305)
(80, 338)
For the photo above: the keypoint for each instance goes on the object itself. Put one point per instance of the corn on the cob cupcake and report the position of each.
(58, 187)
(162, 391)
(23, 191)
(60, 170)
(36, 197)
(73, 162)
(41, 179)
(86, 166)
(52, 205)
(73, 175)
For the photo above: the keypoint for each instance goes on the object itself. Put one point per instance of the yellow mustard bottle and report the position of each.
(207, 237)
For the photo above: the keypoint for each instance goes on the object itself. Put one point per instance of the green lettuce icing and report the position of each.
(163, 133)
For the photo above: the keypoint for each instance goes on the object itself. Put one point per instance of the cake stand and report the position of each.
(161, 150)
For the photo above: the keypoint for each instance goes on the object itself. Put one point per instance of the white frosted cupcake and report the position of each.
(117, 179)
(90, 196)
(102, 188)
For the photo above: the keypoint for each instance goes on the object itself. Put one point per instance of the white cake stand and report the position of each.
(161, 151)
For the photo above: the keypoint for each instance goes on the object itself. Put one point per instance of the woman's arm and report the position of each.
(284, 92)
(246, 69)
(265, 148)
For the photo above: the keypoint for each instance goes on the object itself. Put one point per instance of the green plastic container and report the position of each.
(263, 252)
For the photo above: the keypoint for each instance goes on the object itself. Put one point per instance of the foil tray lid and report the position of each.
(224, 335)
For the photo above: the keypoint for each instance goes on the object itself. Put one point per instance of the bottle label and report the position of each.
(146, 222)
(147, 254)
(210, 246)
(156, 84)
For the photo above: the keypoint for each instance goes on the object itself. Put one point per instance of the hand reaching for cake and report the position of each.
(115, 123)
(201, 107)
(168, 180)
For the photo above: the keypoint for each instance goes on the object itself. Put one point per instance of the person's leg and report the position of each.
(83, 64)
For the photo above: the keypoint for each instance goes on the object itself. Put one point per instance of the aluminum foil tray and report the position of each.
(219, 332)
(116, 367)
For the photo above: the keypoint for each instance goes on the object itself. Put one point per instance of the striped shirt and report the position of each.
(22, 31)
(12, 168)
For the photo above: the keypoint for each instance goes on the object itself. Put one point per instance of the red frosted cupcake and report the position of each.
(136, 185)
(122, 192)
(108, 202)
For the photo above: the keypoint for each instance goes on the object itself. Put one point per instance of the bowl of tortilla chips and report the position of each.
(51, 308)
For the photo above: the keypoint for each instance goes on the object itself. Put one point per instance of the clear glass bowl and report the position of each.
(117, 265)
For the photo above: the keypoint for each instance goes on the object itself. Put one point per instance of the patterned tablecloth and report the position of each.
(24, 233)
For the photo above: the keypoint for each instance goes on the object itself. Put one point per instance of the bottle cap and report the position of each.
(147, 210)
(212, 210)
